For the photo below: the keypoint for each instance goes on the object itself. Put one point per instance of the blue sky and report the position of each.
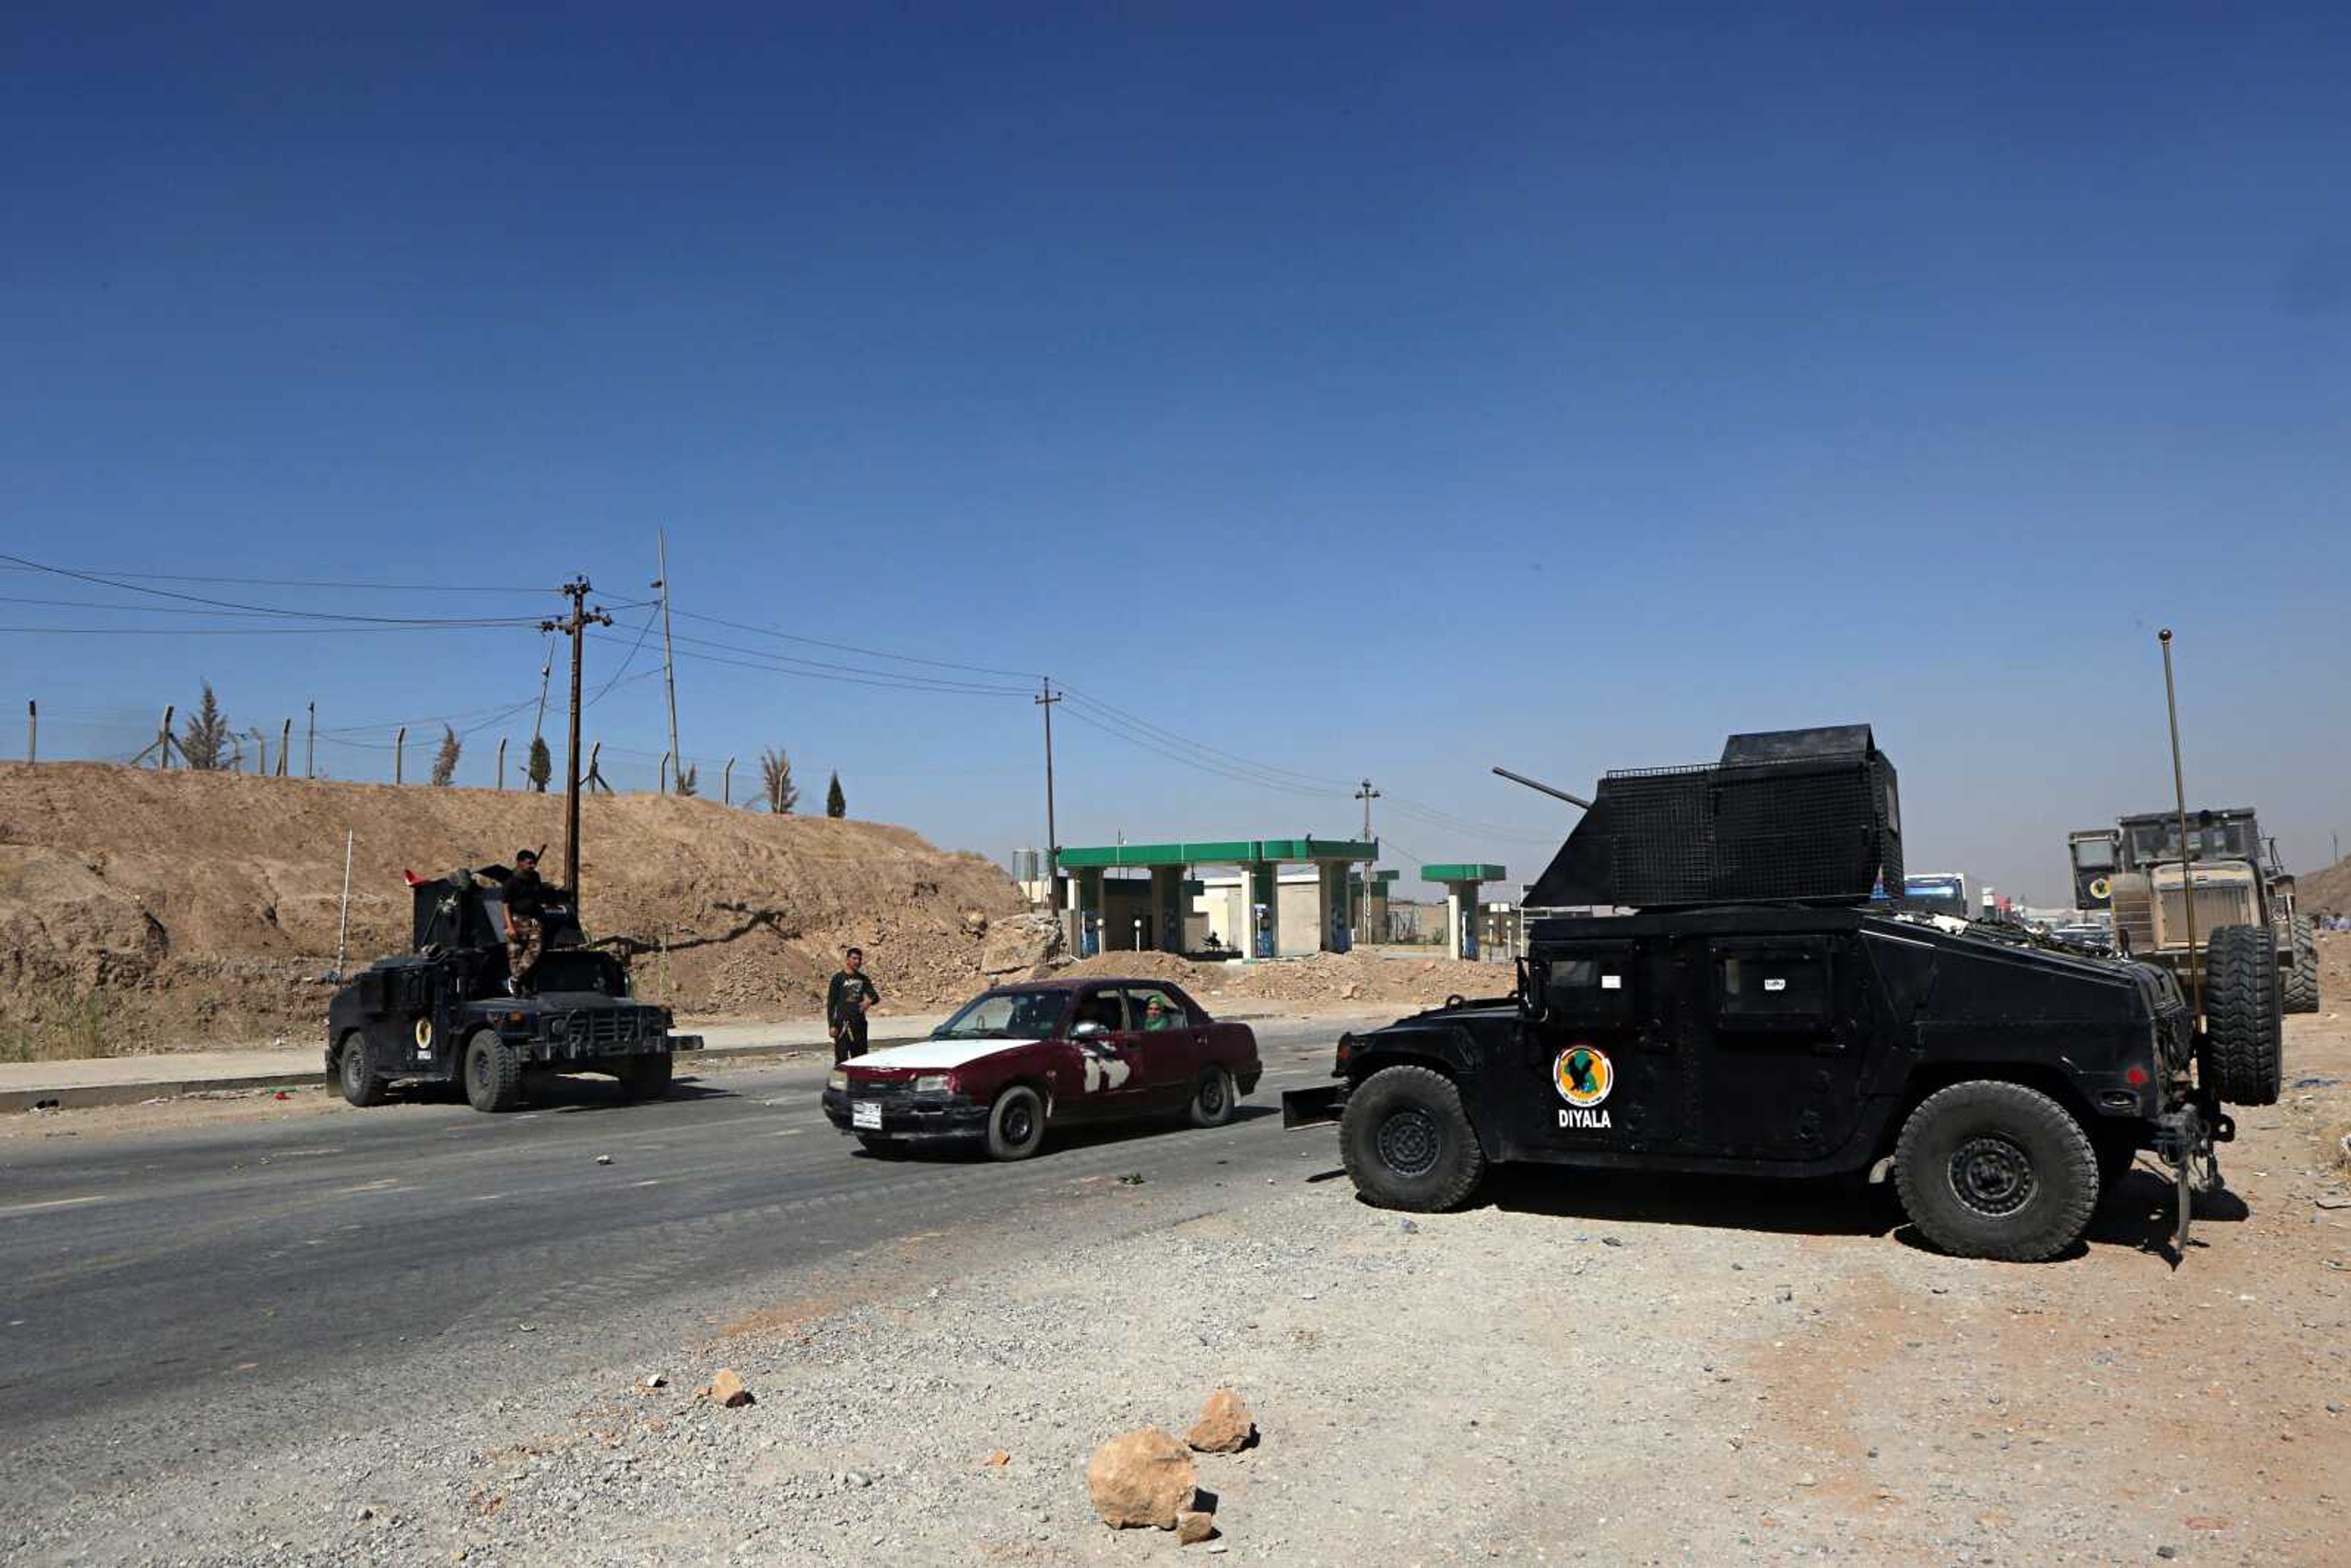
(1353, 391)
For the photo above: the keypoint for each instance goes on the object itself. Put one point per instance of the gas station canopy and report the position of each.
(1470, 871)
(1219, 851)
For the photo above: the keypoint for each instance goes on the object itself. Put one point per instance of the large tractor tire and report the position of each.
(1988, 1169)
(2243, 1014)
(2301, 980)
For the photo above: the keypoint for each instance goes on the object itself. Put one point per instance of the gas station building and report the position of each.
(1284, 898)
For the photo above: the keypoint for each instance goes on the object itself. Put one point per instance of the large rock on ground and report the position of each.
(1224, 1427)
(1018, 944)
(1141, 1478)
(1191, 1529)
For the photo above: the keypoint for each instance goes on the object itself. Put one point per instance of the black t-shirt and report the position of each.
(841, 997)
(526, 895)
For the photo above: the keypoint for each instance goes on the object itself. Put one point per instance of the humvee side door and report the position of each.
(1598, 1058)
(1780, 1022)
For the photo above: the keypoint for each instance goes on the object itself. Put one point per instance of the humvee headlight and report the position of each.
(935, 1083)
(838, 1081)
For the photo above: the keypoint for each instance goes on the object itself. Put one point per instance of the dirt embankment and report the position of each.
(141, 910)
(2328, 889)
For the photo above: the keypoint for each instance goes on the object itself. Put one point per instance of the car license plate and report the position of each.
(865, 1113)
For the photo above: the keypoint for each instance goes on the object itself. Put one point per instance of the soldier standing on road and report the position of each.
(526, 900)
(846, 1002)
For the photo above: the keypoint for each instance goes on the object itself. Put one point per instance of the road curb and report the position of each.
(84, 1096)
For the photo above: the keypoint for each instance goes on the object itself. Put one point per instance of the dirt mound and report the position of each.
(2328, 889)
(1326, 979)
(147, 910)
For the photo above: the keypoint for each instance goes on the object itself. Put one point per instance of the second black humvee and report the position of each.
(1738, 1006)
(447, 1010)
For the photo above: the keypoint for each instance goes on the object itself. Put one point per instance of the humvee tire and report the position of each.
(1016, 1124)
(2302, 981)
(1991, 1169)
(2242, 1014)
(645, 1077)
(493, 1073)
(1212, 1099)
(359, 1086)
(1407, 1144)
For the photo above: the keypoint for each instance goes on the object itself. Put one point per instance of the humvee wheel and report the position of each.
(493, 1073)
(1996, 1170)
(1407, 1144)
(1016, 1124)
(2242, 1015)
(359, 1086)
(2302, 983)
(646, 1077)
(1212, 1099)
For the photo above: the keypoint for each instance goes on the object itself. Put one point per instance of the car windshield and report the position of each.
(1006, 1015)
(1937, 896)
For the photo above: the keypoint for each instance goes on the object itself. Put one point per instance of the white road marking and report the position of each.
(790, 1133)
(52, 1203)
(654, 1183)
(366, 1187)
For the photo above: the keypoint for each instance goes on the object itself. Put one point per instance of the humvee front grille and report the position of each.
(606, 1027)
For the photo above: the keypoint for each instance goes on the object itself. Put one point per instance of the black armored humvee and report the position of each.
(447, 1010)
(1736, 1004)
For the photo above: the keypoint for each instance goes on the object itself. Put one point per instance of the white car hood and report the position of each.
(937, 1055)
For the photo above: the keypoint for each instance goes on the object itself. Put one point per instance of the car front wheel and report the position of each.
(1212, 1099)
(1016, 1124)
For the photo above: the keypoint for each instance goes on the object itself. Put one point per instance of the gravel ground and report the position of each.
(1606, 1371)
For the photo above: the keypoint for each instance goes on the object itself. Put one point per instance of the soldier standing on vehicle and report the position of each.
(526, 900)
(846, 1001)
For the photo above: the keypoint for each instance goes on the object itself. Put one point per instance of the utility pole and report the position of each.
(1053, 841)
(285, 746)
(669, 661)
(33, 732)
(574, 626)
(1367, 795)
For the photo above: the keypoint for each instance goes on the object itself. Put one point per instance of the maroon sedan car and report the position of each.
(1021, 1058)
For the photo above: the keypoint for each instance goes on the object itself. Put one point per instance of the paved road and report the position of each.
(187, 1286)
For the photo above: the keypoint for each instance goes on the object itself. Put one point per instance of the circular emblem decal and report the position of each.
(1583, 1075)
(423, 1034)
(2100, 887)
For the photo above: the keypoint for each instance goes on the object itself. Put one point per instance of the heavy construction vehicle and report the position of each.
(2244, 908)
(445, 1010)
(1752, 1013)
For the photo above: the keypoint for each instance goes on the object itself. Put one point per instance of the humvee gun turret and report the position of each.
(448, 1011)
(1748, 1011)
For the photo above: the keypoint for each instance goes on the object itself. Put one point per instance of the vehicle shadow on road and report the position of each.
(1732, 1203)
(1070, 1140)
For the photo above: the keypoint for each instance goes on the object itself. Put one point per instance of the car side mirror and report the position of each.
(1087, 1031)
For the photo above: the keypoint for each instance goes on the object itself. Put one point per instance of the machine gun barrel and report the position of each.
(1545, 789)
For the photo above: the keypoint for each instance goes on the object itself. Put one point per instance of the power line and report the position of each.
(851, 648)
(281, 581)
(268, 610)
